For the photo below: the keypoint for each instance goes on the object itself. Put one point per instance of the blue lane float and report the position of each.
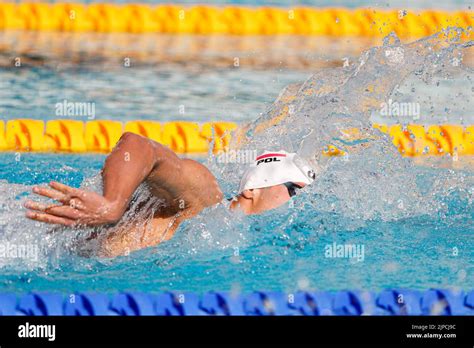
(387, 302)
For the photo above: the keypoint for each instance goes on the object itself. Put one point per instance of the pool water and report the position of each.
(286, 249)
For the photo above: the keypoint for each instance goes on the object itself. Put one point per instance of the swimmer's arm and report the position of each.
(130, 163)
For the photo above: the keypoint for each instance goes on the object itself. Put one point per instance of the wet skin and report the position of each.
(185, 186)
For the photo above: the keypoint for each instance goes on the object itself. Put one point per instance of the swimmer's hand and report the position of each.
(129, 164)
(77, 207)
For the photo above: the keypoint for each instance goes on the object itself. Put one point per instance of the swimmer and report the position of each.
(186, 187)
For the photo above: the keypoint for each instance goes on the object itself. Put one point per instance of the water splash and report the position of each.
(372, 180)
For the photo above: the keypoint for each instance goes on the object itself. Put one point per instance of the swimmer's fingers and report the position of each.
(54, 209)
(37, 206)
(67, 190)
(51, 193)
(50, 219)
(66, 212)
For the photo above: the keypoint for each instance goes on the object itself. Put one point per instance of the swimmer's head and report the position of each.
(271, 181)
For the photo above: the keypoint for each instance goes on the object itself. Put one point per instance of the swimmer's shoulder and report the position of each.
(197, 172)
(202, 180)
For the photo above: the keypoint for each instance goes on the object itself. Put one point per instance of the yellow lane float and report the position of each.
(190, 137)
(235, 20)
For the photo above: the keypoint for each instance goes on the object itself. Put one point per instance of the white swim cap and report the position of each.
(275, 168)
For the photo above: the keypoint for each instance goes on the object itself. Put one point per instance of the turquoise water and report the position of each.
(166, 93)
(280, 250)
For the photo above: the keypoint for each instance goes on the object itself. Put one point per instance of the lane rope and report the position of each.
(190, 137)
(235, 20)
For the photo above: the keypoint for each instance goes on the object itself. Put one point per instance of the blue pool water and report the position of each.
(166, 94)
(280, 250)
